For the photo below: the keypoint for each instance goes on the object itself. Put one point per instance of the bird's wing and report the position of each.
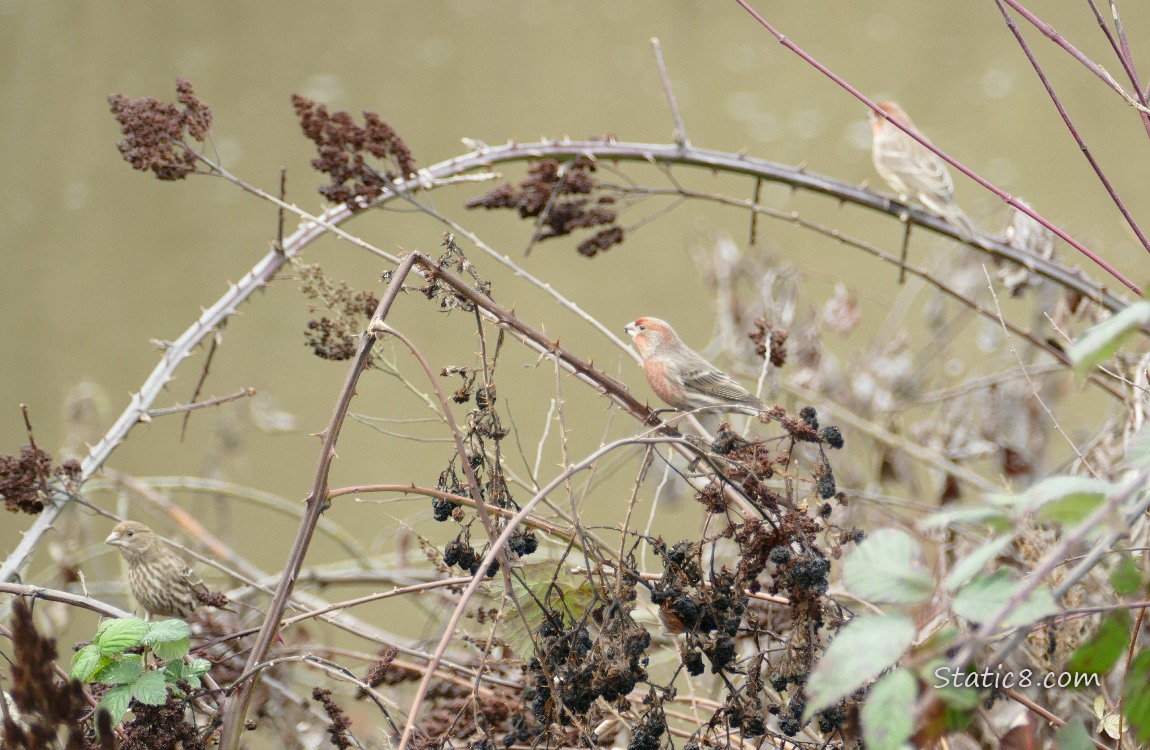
(920, 170)
(717, 383)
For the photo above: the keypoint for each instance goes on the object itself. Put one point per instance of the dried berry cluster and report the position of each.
(24, 478)
(770, 339)
(344, 149)
(335, 338)
(157, 134)
(708, 611)
(340, 724)
(542, 196)
(572, 669)
(161, 728)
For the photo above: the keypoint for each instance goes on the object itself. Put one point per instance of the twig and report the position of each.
(55, 595)
(479, 578)
(1118, 202)
(244, 393)
(1011, 200)
(317, 502)
(1074, 52)
(680, 136)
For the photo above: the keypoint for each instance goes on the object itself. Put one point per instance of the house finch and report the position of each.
(681, 377)
(913, 170)
(158, 576)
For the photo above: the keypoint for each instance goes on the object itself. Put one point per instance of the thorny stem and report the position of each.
(1118, 202)
(317, 502)
(479, 578)
(1054, 558)
(1011, 200)
(1122, 52)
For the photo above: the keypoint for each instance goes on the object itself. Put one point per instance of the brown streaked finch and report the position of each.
(681, 377)
(160, 579)
(913, 170)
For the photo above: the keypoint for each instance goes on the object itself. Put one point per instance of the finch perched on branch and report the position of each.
(681, 377)
(160, 579)
(913, 170)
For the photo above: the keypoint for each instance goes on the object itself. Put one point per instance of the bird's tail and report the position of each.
(957, 219)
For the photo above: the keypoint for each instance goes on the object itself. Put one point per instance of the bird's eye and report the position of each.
(131, 533)
(642, 328)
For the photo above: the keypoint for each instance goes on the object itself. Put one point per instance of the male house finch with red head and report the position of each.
(158, 576)
(913, 170)
(681, 377)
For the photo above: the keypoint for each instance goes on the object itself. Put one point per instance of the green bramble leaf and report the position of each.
(863, 648)
(117, 636)
(1073, 736)
(1103, 649)
(150, 689)
(888, 714)
(116, 702)
(995, 517)
(888, 568)
(167, 631)
(85, 662)
(1138, 450)
(123, 671)
(1067, 500)
(548, 582)
(1126, 578)
(988, 594)
(969, 566)
(172, 650)
(1100, 342)
(1136, 697)
(198, 666)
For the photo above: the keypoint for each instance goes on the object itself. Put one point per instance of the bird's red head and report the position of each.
(891, 109)
(649, 334)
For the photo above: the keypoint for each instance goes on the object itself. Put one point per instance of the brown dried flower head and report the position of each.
(157, 134)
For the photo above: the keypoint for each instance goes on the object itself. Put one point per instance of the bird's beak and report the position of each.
(630, 329)
(114, 539)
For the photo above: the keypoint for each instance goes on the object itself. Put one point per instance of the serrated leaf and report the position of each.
(1101, 341)
(116, 636)
(1067, 500)
(863, 648)
(997, 518)
(150, 689)
(1138, 450)
(969, 566)
(122, 671)
(172, 650)
(1074, 736)
(85, 662)
(174, 671)
(1100, 652)
(116, 702)
(888, 568)
(166, 631)
(1126, 578)
(198, 666)
(1136, 697)
(986, 595)
(888, 714)
(546, 582)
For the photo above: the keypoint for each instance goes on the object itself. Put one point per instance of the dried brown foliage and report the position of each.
(24, 479)
(157, 134)
(51, 711)
(545, 194)
(344, 149)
